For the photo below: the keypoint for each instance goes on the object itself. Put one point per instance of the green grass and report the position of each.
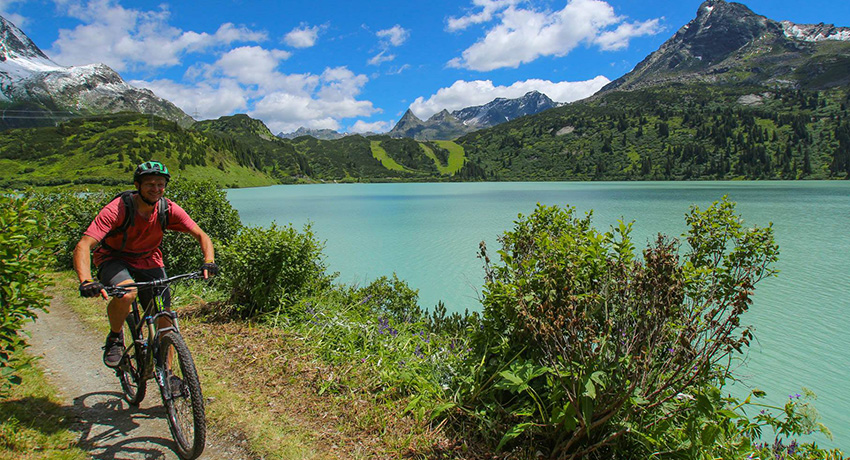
(381, 155)
(34, 423)
(430, 154)
(456, 156)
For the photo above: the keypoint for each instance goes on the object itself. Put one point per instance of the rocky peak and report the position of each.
(16, 44)
(727, 42)
(409, 122)
(322, 134)
(441, 116)
(719, 29)
(409, 117)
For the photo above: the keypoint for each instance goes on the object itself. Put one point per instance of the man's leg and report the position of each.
(146, 296)
(114, 272)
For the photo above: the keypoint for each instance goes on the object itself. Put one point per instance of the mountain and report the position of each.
(323, 134)
(727, 43)
(36, 91)
(445, 125)
(731, 95)
(501, 110)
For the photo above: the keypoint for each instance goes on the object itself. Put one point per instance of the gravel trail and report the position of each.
(109, 428)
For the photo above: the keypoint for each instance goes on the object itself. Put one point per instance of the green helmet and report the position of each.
(151, 168)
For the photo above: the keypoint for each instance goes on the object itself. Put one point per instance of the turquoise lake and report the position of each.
(429, 235)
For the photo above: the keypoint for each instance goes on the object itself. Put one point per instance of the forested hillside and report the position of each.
(234, 151)
(675, 132)
(96, 150)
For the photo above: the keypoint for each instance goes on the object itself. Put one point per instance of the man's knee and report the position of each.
(127, 298)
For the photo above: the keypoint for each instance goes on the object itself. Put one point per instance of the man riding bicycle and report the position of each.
(129, 230)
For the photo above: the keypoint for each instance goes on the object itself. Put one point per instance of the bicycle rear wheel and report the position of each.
(181, 396)
(131, 370)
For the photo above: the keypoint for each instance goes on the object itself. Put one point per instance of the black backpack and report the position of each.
(129, 218)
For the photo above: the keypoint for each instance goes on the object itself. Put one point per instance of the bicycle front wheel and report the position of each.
(131, 370)
(181, 396)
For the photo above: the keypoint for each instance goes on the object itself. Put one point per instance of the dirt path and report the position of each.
(109, 427)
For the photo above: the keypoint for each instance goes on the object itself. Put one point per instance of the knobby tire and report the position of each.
(185, 409)
(131, 370)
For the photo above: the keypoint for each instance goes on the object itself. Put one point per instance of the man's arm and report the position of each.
(82, 261)
(206, 246)
(82, 257)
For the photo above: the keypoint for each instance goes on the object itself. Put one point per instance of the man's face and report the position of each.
(151, 187)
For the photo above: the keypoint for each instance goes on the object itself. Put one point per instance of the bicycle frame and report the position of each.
(151, 314)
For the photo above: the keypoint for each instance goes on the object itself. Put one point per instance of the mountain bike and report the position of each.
(160, 353)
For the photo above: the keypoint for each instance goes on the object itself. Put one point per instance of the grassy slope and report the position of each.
(381, 155)
(430, 154)
(456, 156)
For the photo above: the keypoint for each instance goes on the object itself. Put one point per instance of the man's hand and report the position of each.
(209, 269)
(92, 288)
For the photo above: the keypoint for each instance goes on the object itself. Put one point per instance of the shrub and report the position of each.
(26, 246)
(70, 214)
(583, 343)
(208, 206)
(268, 270)
(392, 298)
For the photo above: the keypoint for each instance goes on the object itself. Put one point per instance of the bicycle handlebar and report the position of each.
(119, 290)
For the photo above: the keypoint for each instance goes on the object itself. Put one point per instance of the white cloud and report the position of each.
(283, 102)
(127, 38)
(302, 36)
(252, 65)
(524, 35)
(392, 37)
(479, 92)
(395, 35)
(321, 103)
(361, 126)
(381, 57)
(489, 8)
(619, 38)
(202, 101)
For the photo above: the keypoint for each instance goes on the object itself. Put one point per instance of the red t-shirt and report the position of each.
(144, 236)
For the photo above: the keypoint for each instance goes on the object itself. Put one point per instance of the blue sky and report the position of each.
(357, 66)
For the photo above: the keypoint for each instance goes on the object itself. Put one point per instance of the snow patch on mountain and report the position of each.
(815, 32)
(27, 75)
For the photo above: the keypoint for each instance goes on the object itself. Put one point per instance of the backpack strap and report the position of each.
(129, 218)
(129, 203)
(162, 209)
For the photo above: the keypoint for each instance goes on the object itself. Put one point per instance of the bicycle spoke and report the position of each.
(182, 397)
(130, 371)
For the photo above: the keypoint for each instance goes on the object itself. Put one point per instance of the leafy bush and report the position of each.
(268, 270)
(26, 246)
(208, 206)
(391, 298)
(583, 344)
(70, 214)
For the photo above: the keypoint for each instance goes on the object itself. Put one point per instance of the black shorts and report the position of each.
(114, 271)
